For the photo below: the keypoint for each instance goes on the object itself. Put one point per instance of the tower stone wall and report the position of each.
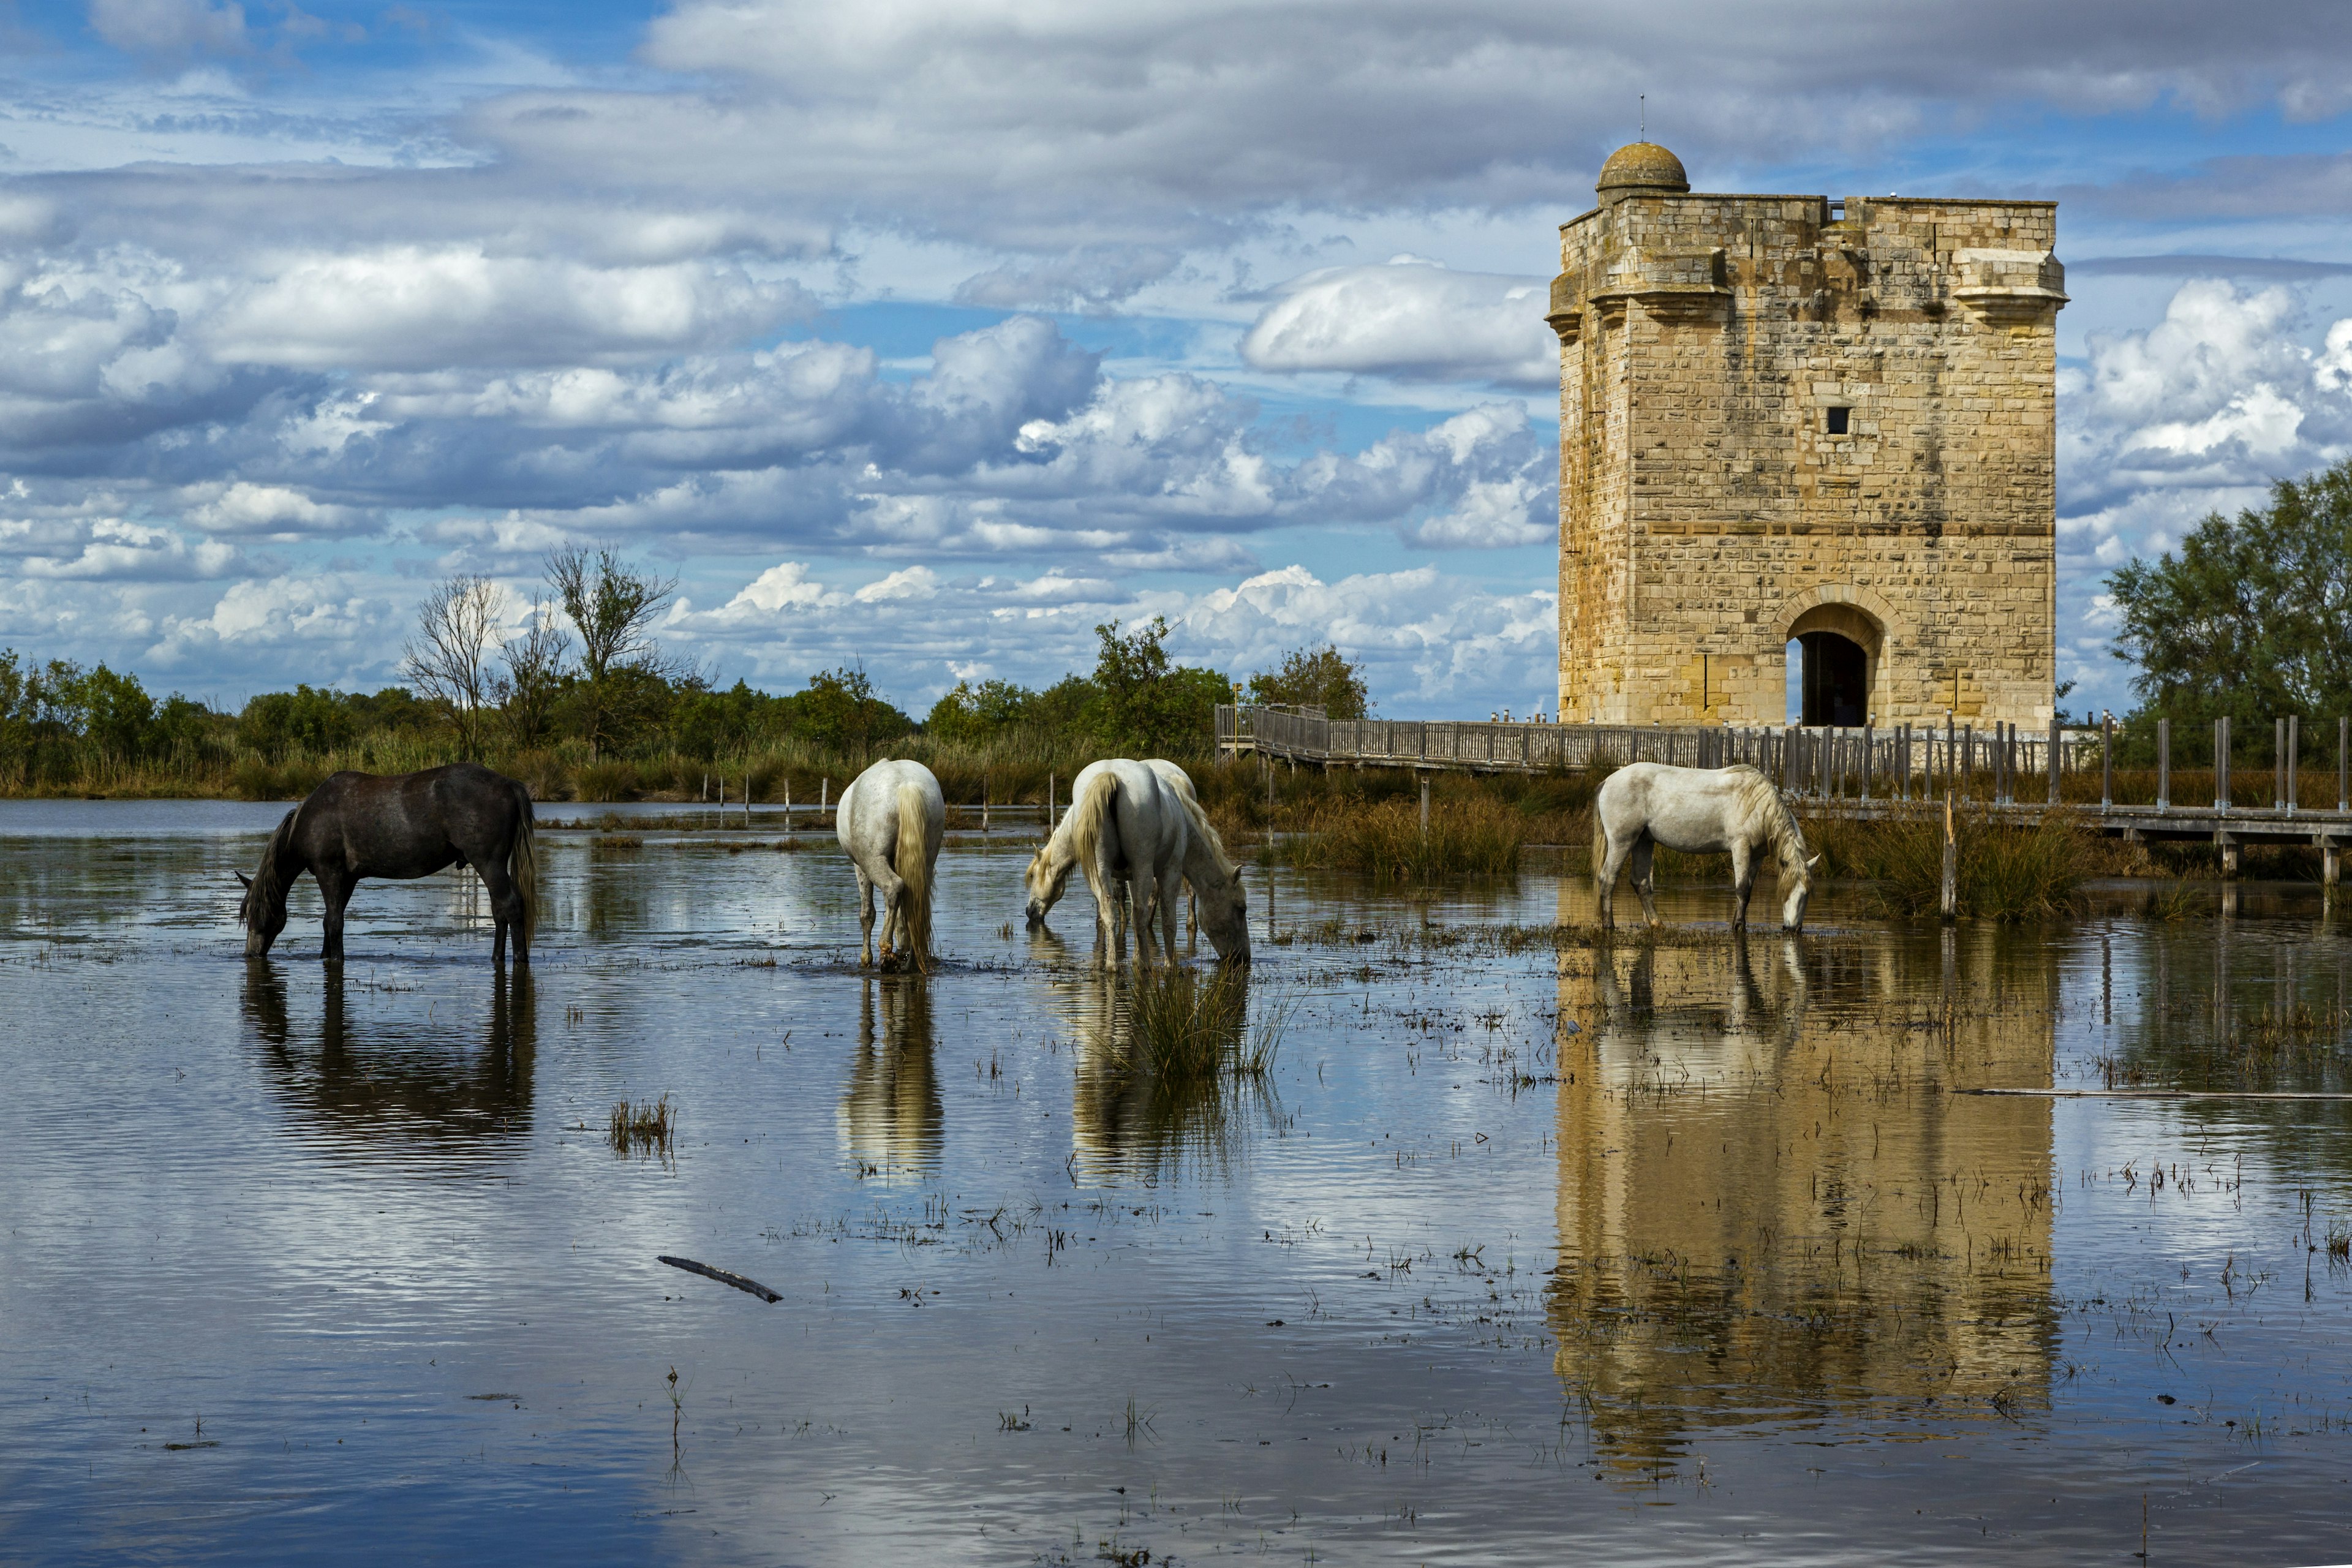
(1711, 508)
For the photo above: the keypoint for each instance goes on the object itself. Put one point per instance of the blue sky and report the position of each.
(931, 335)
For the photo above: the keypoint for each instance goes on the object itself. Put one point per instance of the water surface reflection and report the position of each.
(1772, 1206)
(426, 1090)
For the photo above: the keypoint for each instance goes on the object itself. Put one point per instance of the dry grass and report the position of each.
(1191, 1028)
(645, 1127)
(1468, 835)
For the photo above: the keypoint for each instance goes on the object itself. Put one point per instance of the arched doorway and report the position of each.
(1836, 646)
(1836, 676)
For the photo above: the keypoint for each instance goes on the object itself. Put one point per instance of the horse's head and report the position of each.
(1224, 915)
(262, 911)
(1046, 879)
(1800, 889)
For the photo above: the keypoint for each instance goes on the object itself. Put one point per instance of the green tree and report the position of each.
(839, 711)
(2252, 619)
(1148, 705)
(116, 713)
(974, 715)
(612, 606)
(1316, 676)
(306, 719)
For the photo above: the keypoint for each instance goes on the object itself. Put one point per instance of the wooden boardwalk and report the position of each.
(1865, 774)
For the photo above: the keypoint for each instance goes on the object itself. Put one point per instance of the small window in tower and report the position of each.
(1839, 418)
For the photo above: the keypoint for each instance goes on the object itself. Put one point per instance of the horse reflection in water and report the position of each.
(1125, 1119)
(1770, 1211)
(409, 1088)
(890, 1116)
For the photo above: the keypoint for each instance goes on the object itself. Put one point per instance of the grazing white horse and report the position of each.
(1699, 811)
(891, 819)
(1124, 825)
(1221, 905)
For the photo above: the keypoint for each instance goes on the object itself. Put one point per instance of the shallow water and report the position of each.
(1677, 1251)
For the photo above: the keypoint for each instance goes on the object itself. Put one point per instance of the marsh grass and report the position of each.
(1188, 1028)
(2004, 873)
(1468, 835)
(645, 1127)
(1187, 1063)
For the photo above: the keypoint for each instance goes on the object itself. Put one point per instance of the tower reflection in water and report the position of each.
(890, 1118)
(400, 1082)
(1773, 1209)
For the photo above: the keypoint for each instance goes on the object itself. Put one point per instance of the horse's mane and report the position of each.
(1762, 796)
(270, 881)
(1206, 831)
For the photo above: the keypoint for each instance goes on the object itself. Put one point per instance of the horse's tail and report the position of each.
(522, 868)
(1084, 821)
(914, 869)
(1599, 840)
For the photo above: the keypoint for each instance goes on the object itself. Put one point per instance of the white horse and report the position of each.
(891, 819)
(1222, 904)
(1699, 811)
(1124, 825)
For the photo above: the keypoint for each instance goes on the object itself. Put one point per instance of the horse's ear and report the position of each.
(243, 877)
(1813, 862)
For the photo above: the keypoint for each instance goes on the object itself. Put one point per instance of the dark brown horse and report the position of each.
(357, 825)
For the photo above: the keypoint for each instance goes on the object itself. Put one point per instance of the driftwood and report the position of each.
(707, 1272)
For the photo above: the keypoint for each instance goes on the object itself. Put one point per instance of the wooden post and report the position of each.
(1949, 905)
(1948, 764)
(823, 798)
(1425, 807)
(2294, 757)
(2229, 847)
(2331, 863)
(2278, 764)
(2222, 765)
(983, 801)
(2164, 765)
(1869, 751)
(2057, 756)
(2106, 761)
(1967, 756)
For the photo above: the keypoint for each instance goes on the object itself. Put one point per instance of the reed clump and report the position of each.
(1189, 1029)
(1471, 834)
(2003, 873)
(644, 1128)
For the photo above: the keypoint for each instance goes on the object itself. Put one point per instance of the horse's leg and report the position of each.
(1743, 881)
(1147, 908)
(506, 909)
(1643, 885)
(1604, 878)
(865, 918)
(334, 892)
(893, 914)
(1167, 924)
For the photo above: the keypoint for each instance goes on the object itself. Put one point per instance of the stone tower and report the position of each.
(1793, 419)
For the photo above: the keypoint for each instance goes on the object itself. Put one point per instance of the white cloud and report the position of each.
(1409, 319)
(169, 27)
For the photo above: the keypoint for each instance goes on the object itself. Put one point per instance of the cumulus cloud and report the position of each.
(1427, 640)
(2161, 427)
(1409, 319)
(170, 27)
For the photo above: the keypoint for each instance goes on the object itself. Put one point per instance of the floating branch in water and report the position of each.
(707, 1272)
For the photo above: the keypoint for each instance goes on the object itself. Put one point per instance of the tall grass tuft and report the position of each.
(645, 1127)
(1187, 1029)
(1474, 835)
(2003, 873)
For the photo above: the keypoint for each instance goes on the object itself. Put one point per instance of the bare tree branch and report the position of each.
(612, 607)
(535, 664)
(447, 661)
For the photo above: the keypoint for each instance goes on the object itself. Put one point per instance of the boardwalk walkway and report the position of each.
(1871, 774)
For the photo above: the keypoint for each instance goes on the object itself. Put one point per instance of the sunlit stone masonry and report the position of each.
(1788, 418)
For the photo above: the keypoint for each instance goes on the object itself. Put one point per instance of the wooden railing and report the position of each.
(1828, 763)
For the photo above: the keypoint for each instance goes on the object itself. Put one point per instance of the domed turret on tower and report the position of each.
(1641, 168)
